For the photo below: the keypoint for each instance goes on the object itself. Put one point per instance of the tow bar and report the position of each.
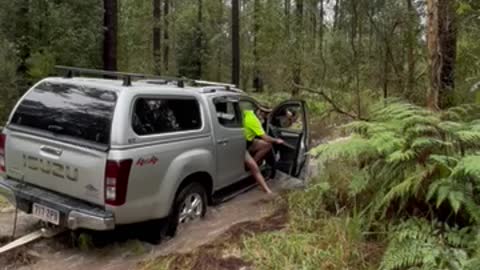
(42, 233)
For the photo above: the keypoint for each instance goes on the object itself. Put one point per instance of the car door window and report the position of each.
(163, 115)
(228, 112)
(288, 117)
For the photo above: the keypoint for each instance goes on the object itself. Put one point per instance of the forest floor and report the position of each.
(207, 244)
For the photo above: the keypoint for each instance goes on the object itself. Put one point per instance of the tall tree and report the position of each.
(236, 42)
(157, 35)
(257, 78)
(299, 47)
(411, 40)
(287, 6)
(442, 42)
(21, 34)
(166, 41)
(199, 43)
(110, 35)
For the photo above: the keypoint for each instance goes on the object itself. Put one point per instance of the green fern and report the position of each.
(419, 244)
(406, 157)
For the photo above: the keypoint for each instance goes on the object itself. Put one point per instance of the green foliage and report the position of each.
(408, 162)
(420, 244)
(135, 49)
(8, 78)
(40, 65)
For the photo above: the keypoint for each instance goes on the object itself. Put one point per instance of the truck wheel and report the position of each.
(189, 206)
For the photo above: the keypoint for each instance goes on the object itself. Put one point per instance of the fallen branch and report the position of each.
(330, 101)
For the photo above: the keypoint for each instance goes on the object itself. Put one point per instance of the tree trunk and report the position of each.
(157, 35)
(441, 42)
(166, 38)
(321, 30)
(336, 14)
(236, 42)
(110, 35)
(22, 28)
(287, 5)
(355, 43)
(298, 60)
(199, 41)
(257, 78)
(411, 40)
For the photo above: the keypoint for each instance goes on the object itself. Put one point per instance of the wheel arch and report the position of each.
(203, 178)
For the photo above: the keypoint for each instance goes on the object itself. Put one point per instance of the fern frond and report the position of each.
(401, 156)
(406, 188)
(468, 166)
(429, 144)
(354, 149)
(468, 138)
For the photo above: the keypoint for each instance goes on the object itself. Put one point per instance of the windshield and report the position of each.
(65, 109)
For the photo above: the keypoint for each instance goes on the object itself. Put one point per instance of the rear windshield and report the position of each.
(65, 109)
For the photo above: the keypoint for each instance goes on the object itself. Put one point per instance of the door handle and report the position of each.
(222, 142)
(51, 151)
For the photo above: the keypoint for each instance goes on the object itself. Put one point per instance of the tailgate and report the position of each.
(51, 136)
(65, 168)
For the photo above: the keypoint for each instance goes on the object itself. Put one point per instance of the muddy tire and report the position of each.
(190, 205)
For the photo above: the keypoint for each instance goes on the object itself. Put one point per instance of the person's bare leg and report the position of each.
(256, 173)
(260, 149)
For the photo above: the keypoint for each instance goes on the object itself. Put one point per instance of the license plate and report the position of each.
(46, 214)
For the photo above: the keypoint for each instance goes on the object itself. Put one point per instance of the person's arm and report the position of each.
(260, 132)
(271, 140)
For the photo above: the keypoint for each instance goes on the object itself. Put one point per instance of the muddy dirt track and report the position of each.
(123, 250)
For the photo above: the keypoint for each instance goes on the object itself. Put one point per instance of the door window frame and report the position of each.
(240, 115)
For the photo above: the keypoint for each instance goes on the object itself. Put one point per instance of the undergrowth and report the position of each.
(412, 175)
(401, 192)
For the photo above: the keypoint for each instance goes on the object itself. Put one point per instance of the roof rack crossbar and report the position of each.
(125, 76)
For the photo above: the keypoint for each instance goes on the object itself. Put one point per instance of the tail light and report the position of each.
(3, 140)
(116, 181)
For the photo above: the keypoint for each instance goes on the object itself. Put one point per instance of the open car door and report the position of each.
(289, 122)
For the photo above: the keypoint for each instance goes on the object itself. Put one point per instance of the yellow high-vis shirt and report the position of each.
(252, 127)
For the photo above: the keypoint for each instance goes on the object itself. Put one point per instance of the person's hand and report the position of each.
(279, 141)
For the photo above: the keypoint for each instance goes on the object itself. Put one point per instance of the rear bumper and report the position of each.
(75, 214)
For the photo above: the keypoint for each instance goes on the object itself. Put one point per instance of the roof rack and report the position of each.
(127, 78)
(226, 86)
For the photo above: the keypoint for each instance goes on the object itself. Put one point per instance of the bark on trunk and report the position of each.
(235, 42)
(298, 61)
(157, 16)
(110, 35)
(411, 37)
(166, 38)
(441, 42)
(257, 78)
(199, 41)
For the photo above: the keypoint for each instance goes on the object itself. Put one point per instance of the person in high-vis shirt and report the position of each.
(259, 144)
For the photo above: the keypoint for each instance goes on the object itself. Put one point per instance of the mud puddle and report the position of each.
(126, 251)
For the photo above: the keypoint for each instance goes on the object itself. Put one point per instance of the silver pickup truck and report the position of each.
(96, 153)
